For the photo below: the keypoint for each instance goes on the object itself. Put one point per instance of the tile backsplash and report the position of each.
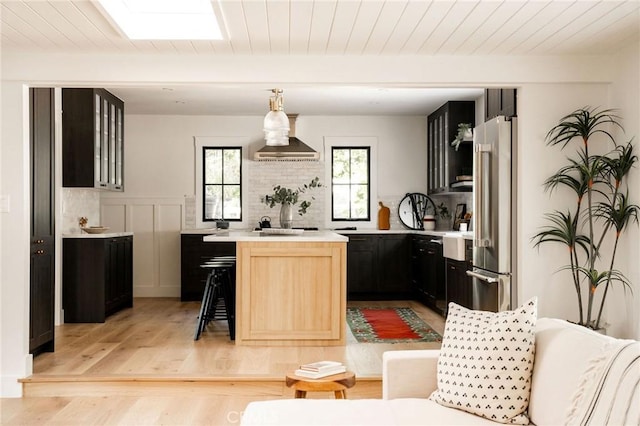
(77, 203)
(264, 175)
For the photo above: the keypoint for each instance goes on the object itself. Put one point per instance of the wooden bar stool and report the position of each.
(337, 383)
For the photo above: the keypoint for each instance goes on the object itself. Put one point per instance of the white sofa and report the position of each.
(579, 377)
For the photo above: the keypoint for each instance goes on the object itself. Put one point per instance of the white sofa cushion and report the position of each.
(370, 412)
(486, 362)
(566, 356)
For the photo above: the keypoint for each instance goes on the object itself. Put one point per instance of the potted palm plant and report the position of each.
(287, 198)
(601, 208)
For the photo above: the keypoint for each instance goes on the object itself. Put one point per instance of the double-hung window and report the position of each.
(222, 183)
(350, 183)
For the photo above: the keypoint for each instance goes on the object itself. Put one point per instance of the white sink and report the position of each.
(453, 246)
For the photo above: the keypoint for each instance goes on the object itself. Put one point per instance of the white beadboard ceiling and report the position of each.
(331, 27)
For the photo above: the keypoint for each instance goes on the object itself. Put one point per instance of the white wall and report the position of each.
(15, 361)
(534, 75)
(539, 109)
(623, 308)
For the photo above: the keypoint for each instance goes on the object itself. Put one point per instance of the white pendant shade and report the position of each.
(276, 123)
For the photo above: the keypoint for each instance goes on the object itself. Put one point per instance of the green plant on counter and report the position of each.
(282, 195)
(442, 211)
(601, 207)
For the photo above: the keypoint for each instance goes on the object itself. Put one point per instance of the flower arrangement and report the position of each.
(282, 195)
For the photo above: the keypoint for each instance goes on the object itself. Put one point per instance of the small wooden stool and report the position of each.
(337, 383)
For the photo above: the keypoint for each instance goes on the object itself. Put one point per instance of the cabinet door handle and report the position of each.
(39, 251)
(38, 241)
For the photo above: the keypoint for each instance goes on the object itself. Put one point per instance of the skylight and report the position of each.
(164, 19)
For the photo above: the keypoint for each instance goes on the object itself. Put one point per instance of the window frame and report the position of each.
(350, 184)
(352, 141)
(217, 142)
(204, 183)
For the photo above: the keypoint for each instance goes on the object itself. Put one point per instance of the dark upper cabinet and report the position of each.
(42, 284)
(378, 266)
(499, 102)
(97, 277)
(92, 139)
(194, 252)
(444, 162)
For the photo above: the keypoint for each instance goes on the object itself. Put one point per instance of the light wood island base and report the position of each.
(291, 293)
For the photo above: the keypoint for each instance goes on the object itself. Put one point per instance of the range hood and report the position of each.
(295, 151)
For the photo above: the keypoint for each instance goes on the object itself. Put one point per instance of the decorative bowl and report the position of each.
(95, 229)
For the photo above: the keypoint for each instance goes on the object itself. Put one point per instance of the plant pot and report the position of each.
(286, 215)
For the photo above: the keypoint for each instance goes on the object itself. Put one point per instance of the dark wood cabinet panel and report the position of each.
(459, 284)
(428, 272)
(378, 266)
(97, 277)
(193, 252)
(393, 264)
(444, 162)
(362, 253)
(92, 139)
(500, 102)
(42, 283)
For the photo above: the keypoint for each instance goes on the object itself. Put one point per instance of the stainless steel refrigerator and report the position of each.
(494, 175)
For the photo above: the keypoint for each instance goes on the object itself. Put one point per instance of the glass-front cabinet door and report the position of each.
(92, 139)
(119, 163)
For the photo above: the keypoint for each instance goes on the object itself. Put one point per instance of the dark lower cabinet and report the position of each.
(193, 252)
(459, 284)
(428, 272)
(41, 296)
(97, 277)
(378, 266)
(362, 252)
(41, 281)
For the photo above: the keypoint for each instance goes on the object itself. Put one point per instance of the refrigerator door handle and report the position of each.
(482, 277)
(481, 208)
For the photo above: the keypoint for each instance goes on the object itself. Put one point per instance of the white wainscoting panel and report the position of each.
(156, 225)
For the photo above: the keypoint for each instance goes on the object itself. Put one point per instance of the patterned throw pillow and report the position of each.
(486, 362)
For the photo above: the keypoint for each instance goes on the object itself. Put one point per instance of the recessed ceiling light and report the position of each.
(164, 19)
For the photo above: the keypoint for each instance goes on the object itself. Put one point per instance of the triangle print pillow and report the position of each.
(486, 362)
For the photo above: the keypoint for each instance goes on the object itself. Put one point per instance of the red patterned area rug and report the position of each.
(389, 325)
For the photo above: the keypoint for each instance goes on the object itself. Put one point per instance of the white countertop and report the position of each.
(233, 235)
(213, 231)
(103, 235)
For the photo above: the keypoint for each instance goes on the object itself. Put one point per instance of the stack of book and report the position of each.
(320, 369)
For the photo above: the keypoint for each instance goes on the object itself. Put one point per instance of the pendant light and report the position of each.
(276, 122)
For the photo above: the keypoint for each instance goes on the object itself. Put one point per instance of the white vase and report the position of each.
(286, 215)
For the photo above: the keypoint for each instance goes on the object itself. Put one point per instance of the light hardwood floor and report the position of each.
(142, 367)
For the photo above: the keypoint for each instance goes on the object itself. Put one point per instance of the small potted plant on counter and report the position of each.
(443, 217)
(287, 198)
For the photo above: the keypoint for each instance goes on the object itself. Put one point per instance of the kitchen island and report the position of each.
(290, 289)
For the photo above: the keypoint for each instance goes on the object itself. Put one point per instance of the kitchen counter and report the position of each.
(239, 233)
(466, 235)
(306, 236)
(103, 235)
(290, 289)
